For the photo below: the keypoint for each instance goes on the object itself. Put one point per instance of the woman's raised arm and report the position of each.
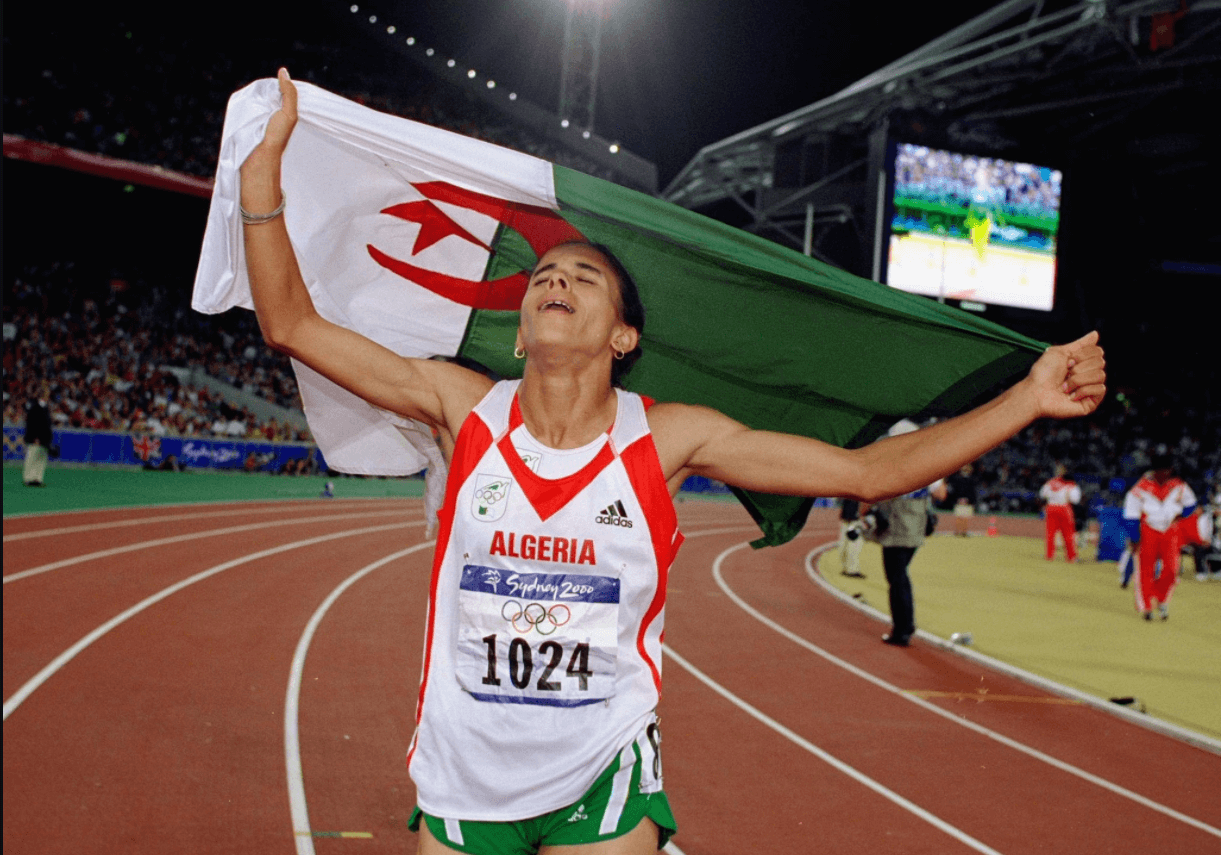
(1067, 381)
(436, 393)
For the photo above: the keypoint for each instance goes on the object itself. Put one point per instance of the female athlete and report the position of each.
(536, 729)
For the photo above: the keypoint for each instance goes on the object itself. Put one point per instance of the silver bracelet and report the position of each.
(258, 219)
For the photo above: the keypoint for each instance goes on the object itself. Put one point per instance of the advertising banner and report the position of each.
(115, 448)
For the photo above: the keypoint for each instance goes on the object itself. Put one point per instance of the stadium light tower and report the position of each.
(579, 71)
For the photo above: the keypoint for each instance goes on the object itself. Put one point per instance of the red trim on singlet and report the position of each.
(548, 496)
(474, 439)
(1056, 486)
(643, 468)
(1162, 491)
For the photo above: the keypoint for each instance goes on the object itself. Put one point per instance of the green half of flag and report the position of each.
(766, 335)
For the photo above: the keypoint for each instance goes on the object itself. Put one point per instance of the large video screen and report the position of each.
(978, 229)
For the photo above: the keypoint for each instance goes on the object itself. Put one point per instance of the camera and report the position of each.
(869, 526)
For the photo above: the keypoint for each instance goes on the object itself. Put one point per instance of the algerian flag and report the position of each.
(422, 240)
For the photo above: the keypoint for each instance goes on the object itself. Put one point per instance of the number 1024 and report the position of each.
(551, 655)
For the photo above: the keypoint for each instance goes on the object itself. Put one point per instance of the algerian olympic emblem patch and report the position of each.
(491, 497)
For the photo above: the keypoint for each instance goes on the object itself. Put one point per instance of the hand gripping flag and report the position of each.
(422, 240)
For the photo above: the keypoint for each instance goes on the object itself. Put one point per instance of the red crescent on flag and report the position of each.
(541, 227)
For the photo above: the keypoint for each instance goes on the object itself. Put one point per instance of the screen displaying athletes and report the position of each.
(974, 228)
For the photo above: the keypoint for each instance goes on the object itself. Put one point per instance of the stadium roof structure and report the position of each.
(1026, 78)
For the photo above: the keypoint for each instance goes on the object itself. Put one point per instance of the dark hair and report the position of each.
(631, 308)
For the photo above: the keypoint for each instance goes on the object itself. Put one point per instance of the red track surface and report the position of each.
(166, 732)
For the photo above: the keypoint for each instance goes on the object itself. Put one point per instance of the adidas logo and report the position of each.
(579, 814)
(614, 514)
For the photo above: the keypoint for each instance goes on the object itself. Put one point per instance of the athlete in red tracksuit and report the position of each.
(1060, 494)
(1152, 510)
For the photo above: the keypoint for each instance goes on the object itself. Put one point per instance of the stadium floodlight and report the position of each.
(391, 29)
(451, 63)
(471, 74)
(512, 96)
(430, 51)
(354, 9)
(373, 19)
(491, 84)
(614, 148)
(411, 40)
(563, 123)
(585, 135)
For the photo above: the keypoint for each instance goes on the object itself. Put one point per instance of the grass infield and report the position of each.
(86, 488)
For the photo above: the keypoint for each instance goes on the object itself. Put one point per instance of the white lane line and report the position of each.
(830, 759)
(156, 506)
(933, 708)
(68, 655)
(302, 831)
(279, 508)
(181, 538)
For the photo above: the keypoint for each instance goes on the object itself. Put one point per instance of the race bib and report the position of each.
(537, 638)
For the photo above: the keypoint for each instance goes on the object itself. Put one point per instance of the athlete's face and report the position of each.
(573, 300)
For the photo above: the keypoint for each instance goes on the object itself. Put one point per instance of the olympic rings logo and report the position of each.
(492, 493)
(535, 616)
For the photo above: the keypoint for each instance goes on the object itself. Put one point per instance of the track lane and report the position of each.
(731, 780)
(358, 695)
(1118, 748)
(185, 533)
(44, 614)
(762, 581)
(24, 528)
(189, 726)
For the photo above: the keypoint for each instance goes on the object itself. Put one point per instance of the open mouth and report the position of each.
(552, 305)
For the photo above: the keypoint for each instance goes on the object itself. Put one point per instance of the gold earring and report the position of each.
(519, 352)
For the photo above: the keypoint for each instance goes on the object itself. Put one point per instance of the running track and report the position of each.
(243, 679)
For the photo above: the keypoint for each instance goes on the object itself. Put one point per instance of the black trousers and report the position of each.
(895, 560)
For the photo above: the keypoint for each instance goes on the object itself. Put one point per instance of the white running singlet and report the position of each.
(543, 651)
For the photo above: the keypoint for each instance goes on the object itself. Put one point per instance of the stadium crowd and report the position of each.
(1104, 453)
(104, 365)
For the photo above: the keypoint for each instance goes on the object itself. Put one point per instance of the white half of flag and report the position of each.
(344, 165)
